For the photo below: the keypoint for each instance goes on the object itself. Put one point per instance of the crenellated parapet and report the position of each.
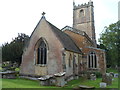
(90, 3)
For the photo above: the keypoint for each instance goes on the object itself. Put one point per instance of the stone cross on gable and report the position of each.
(43, 13)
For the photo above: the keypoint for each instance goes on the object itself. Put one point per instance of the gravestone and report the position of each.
(107, 78)
(84, 87)
(9, 74)
(112, 74)
(102, 85)
(116, 75)
(92, 76)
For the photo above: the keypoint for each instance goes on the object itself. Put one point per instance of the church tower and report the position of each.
(83, 19)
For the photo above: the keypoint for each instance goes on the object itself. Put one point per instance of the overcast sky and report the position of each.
(21, 16)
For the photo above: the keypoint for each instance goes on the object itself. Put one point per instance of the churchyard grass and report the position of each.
(24, 83)
(112, 70)
(95, 83)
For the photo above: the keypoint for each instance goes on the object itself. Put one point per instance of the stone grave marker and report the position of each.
(116, 75)
(112, 74)
(103, 85)
(9, 74)
(107, 78)
(92, 76)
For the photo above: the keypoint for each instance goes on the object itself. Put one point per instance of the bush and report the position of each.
(0, 68)
(17, 69)
(98, 74)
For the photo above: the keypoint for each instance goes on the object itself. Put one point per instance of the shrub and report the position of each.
(17, 69)
(98, 74)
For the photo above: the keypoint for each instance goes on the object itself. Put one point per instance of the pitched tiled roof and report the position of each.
(74, 30)
(66, 40)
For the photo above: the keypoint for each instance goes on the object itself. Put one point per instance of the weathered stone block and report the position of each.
(60, 79)
(116, 75)
(45, 80)
(103, 85)
(9, 74)
(93, 77)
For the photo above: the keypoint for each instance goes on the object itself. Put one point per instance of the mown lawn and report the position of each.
(95, 83)
(24, 83)
(112, 70)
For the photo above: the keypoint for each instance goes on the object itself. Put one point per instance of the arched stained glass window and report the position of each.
(42, 53)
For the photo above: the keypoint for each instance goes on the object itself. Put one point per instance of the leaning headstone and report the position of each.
(93, 77)
(112, 74)
(116, 75)
(107, 78)
(102, 85)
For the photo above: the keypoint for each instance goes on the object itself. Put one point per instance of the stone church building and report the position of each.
(72, 50)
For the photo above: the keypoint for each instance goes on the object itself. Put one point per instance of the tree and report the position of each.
(110, 41)
(13, 51)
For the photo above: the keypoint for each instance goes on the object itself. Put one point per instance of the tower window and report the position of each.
(81, 13)
(92, 60)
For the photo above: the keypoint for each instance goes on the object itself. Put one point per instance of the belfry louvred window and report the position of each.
(42, 53)
(92, 60)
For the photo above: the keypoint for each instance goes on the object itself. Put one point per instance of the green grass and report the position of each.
(112, 70)
(95, 83)
(24, 83)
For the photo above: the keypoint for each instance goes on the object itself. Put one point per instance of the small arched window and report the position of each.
(92, 60)
(81, 13)
(42, 53)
